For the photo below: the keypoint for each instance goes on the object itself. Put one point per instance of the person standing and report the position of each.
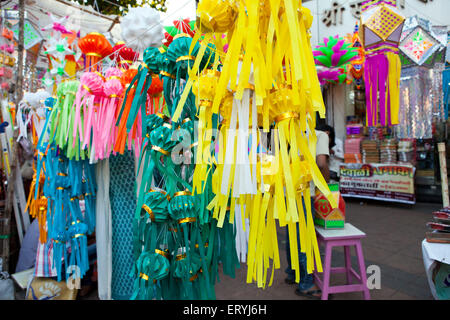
(306, 286)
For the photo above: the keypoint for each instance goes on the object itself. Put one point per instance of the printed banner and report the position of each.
(385, 182)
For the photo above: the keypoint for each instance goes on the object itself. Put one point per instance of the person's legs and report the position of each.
(290, 273)
(306, 283)
(306, 280)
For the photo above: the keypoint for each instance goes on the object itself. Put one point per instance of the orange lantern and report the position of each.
(95, 47)
(154, 103)
(126, 56)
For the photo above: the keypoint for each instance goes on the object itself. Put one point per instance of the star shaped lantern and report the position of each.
(420, 45)
(58, 69)
(59, 48)
(57, 24)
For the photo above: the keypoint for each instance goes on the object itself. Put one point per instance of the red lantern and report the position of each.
(154, 100)
(125, 56)
(96, 47)
(168, 39)
(184, 27)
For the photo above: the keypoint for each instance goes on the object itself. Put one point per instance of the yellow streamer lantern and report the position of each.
(204, 88)
(267, 80)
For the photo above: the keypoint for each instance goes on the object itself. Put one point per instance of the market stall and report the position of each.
(400, 136)
(139, 174)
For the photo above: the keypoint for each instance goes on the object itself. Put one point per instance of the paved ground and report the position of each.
(393, 242)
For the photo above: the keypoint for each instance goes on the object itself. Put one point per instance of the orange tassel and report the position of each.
(122, 133)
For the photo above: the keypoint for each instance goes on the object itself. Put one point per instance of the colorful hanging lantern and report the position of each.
(59, 48)
(125, 55)
(334, 52)
(154, 95)
(331, 57)
(96, 47)
(179, 26)
(355, 70)
(420, 45)
(113, 91)
(142, 28)
(381, 29)
(253, 90)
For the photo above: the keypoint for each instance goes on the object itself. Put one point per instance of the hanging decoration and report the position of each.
(95, 47)
(57, 24)
(268, 77)
(62, 52)
(125, 56)
(142, 28)
(179, 26)
(381, 28)
(7, 61)
(59, 48)
(177, 246)
(420, 45)
(58, 70)
(422, 95)
(355, 70)
(204, 189)
(332, 57)
(62, 187)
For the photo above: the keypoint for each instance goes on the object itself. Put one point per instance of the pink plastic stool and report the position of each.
(348, 237)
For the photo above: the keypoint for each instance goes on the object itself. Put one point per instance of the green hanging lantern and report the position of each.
(152, 266)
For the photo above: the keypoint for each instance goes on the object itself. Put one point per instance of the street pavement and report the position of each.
(394, 233)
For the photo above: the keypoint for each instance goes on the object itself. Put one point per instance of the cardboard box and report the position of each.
(325, 216)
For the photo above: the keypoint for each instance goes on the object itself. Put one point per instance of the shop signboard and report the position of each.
(387, 182)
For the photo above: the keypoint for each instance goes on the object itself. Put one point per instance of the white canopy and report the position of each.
(86, 19)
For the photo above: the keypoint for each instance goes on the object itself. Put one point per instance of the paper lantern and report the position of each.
(142, 28)
(420, 44)
(333, 76)
(96, 47)
(125, 55)
(355, 70)
(59, 48)
(179, 26)
(154, 95)
(381, 29)
(334, 52)
(331, 58)
(216, 15)
(57, 24)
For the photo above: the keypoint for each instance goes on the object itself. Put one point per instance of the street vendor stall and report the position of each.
(405, 138)
(130, 185)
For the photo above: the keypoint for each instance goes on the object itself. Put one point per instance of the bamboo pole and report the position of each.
(444, 178)
(10, 195)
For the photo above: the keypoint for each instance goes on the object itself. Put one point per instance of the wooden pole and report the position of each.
(116, 20)
(20, 49)
(10, 196)
(444, 179)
